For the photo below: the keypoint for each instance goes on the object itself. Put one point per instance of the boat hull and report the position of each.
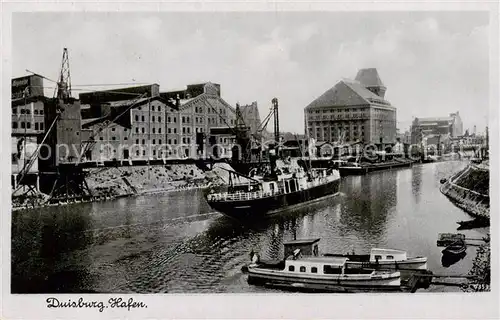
(346, 171)
(389, 282)
(242, 209)
(409, 264)
(454, 251)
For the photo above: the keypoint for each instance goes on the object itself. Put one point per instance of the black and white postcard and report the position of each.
(263, 160)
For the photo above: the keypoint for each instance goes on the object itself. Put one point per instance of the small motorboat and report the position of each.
(385, 259)
(456, 248)
(330, 274)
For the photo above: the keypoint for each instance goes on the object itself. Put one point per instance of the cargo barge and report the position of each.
(356, 168)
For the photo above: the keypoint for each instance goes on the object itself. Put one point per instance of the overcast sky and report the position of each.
(431, 63)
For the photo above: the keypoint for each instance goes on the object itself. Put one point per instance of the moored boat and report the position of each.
(304, 268)
(386, 259)
(456, 248)
(321, 273)
(285, 189)
(361, 168)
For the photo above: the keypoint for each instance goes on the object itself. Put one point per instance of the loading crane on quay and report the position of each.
(61, 180)
(245, 139)
(61, 92)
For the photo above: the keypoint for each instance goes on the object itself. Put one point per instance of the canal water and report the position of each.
(175, 243)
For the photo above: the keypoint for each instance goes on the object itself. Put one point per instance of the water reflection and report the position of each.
(448, 260)
(368, 205)
(175, 243)
(44, 246)
(416, 182)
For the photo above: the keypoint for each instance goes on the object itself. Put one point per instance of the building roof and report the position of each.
(333, 261)
(301, 241)
(96, 97)
(346, 93)
(138, 102)
(205, 98)
(369, 78)
(420, 120)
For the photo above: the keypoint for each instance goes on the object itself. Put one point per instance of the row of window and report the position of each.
(27, 111)
(340, 127)
(326, 269)
(153, 130)
(144, 141)
(143, 118)
(336, 110)
(137, 153)
(210, 110)
(341, 116)
(27, 125)
(152, 108)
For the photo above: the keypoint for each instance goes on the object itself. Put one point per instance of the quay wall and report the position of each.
(469, 190)
(113, 182)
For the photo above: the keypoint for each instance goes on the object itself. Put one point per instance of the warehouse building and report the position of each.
(201, 108)
(352, 111)
(445, 127)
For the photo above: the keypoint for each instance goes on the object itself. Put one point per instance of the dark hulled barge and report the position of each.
(260, 196)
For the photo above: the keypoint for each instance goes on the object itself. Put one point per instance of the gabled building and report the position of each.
(445, 127)
(352, 111)
(129, 129)
(200, 109)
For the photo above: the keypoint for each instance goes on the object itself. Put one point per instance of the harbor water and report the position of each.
(174, 243)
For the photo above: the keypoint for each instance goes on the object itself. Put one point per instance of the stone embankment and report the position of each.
(469, 190)
(110, 183)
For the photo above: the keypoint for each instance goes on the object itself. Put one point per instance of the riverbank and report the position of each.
(481, 270)
(118, 182)
(468, 189)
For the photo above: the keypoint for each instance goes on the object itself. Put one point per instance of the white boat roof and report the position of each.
(386, 251)
(338, 261)
(301, 241)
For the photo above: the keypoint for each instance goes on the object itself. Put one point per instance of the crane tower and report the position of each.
(64, 81)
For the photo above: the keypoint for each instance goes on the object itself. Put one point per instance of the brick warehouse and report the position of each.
(445, 127)
(159, 124)
(129, 129)
(201, 112)
(352, 111)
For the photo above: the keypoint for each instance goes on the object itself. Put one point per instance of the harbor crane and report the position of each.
(62, 92)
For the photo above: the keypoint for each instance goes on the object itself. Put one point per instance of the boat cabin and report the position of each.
(307, 247)
(379, 255)
(322, 266)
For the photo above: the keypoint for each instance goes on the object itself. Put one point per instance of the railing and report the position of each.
(242, 196)
(239, 196)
